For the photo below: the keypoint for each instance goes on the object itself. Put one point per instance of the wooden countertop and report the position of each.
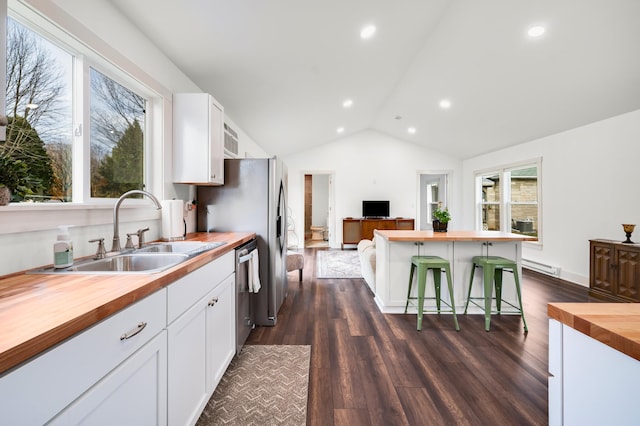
(410, 236)
(615, 324)
(40, 311)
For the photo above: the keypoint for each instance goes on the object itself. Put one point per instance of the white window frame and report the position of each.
(90, 51)
(505, 203)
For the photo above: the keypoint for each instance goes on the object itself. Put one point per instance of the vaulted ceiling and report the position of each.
(282, 68)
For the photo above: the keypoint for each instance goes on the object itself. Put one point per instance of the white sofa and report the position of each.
(367, 254)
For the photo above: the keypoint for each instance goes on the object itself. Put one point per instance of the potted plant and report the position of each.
(441, 218)
(14, 177)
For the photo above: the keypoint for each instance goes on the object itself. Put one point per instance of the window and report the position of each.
(490, 204)
(508, 199)
(38, 108)
(58, 160)
(117, 138)
(524, 200)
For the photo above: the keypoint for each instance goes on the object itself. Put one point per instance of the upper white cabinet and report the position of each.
(198, 139)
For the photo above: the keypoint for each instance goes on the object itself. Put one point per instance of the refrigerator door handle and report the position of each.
(279, 226)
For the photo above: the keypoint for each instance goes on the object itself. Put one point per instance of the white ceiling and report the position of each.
(282, 68)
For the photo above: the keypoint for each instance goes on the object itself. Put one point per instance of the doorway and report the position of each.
(434, 190)
(318, 220)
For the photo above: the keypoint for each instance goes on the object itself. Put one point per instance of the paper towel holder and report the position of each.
(180, 238)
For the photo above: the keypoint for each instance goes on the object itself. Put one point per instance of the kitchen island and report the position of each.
(594, 363)
(393, 261)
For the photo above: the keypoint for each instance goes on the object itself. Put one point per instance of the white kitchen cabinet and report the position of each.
(201, 337)
(91, 363)
(221, 337)
(590, 382)
(198, 139)
(187, 366)
(134, 393)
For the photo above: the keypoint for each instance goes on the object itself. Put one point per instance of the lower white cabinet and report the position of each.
(96, 369)
(590, 383)
(135, 393)
(221, 336)
(201, 341)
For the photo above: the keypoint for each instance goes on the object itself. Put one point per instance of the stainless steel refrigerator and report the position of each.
(253, 199)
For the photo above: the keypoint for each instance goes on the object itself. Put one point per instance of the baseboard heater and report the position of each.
(554, 271)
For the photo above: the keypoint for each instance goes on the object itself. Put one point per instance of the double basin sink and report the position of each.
(151, 258)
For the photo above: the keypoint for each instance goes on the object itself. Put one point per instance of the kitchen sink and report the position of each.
(143, 263)
(153, 257)
(132, 263)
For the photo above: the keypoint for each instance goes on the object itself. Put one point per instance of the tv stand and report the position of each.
(356, 229)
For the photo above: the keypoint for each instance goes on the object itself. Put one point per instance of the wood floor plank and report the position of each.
(351, 417)
(369, 368)
(347, 389)
(320, 409)
(378, 388)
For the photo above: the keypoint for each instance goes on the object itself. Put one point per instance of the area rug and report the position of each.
(264, 385)
(338, 264)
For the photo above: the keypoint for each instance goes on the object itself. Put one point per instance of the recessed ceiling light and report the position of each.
(340, 130)
(445, 104)
(348, 103)
(368, 32)
(411, 130)
(536, 31)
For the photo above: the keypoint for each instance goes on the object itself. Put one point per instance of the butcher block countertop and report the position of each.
(411, 236)
(615, 324)
(40, 311)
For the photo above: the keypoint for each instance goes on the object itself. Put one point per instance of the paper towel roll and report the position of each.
(172, 220)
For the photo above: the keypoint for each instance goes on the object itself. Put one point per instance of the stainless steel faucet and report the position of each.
(116, 209)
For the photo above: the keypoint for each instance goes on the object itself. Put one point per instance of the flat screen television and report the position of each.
(375, 209)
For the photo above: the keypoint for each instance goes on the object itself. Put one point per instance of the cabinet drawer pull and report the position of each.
(129, 334)
(213, 301)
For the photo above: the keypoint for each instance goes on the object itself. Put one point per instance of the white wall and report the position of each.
(372, 166)
(589, 188)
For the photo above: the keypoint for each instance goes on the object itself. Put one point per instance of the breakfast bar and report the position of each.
(394, 249)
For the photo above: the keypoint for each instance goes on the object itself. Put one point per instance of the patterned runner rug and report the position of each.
(338, 264)
(264, 385)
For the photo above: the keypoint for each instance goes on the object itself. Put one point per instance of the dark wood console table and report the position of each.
(614, 271)
(356, 229)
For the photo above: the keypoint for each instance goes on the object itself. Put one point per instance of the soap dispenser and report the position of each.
(63, 248)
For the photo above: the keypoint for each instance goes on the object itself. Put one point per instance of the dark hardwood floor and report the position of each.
(369, 368)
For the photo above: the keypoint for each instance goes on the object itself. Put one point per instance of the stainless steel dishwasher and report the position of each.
(245, 320)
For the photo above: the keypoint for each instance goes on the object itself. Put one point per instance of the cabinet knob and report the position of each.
(213, 301)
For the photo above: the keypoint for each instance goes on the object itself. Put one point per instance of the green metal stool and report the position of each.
(436, 265)
(493, 266)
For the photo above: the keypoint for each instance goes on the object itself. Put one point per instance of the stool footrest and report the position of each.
(517, 310)
(435, 309)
